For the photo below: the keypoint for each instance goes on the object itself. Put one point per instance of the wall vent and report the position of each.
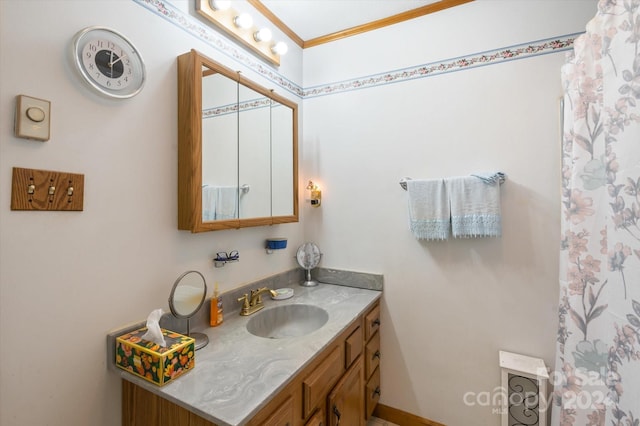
(524, 382)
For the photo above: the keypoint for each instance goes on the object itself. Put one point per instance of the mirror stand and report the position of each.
(186, 299)
(202, 339)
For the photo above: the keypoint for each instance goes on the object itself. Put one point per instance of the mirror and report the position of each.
(237, 150)
(186, 299)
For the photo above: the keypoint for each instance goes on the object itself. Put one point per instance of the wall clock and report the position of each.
(108, 62)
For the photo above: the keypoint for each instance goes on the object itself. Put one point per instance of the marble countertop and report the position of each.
(237, 373)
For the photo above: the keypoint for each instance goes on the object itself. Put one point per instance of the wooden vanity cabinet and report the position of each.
(336, 381)
(372, 359)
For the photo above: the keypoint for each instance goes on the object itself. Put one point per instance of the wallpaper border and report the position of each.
(191, 25)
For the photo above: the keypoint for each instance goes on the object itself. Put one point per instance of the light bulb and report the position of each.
(243, 20)
(220, 4)
(280, 48)
(263, 34)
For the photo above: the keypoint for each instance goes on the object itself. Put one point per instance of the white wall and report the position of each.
(66, 279)
(448, 307)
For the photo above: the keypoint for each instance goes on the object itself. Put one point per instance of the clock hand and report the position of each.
(112, 63)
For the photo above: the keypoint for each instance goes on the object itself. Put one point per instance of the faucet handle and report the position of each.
(245, 301)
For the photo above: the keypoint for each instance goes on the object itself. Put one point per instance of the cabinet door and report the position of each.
(139, 406)
(346, 400)
(283, 416)
(317, 419)
(317, 384)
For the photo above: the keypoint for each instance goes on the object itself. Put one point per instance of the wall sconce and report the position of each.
(316, 194)
(240, 27)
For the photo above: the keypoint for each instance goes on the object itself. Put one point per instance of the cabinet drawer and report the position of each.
(352, 347)
(371, 322)
(317, 419)
(372, 355)
(283, 416)
(372, 392)
(318, 384)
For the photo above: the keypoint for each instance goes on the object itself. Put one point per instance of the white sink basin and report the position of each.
(287, 321)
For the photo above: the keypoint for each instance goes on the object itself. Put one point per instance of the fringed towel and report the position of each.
(219, 203)
(428, 209)
(209, 200)
(475, 207)
(227, 203)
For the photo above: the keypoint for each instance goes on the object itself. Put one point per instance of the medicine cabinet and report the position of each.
(237, 150)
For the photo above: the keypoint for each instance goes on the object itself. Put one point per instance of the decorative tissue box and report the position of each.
(155, 363)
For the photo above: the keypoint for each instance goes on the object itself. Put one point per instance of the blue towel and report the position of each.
(428, 209)
(227, 203)
(219, 203)
(475, 207)
(209, 198)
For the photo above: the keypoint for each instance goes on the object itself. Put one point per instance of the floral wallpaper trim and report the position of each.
(521, 51)
(232, 108)
(183, 20)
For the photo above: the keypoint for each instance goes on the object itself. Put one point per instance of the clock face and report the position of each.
(108, 62)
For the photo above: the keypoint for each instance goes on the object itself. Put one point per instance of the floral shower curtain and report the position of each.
(597, 376)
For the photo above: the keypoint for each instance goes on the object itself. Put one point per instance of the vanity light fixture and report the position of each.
(316, 194)
(280, 48)
(244, 21)
(220, 4)
(240, 26)
(263, 34)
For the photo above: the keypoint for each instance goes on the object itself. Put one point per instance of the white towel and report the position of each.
(428, 209)
(227, 203)
(209, 199)
(475, 207)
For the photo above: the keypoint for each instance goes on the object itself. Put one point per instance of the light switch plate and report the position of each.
(33, 189)
(33, 118)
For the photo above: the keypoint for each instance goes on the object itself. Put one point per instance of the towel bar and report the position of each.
(500, 177)
(403, 182)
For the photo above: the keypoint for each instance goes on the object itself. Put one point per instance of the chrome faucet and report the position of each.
(254, 303)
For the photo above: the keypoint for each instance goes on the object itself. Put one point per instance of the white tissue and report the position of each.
(154, 334)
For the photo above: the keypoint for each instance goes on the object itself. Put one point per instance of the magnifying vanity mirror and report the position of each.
(186, 299)
(237, 150)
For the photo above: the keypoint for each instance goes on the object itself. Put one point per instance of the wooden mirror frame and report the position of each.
(190, 146)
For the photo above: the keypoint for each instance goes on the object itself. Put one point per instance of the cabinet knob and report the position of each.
(376, 355)
(375, 322)
(376, 391)
(337, 414)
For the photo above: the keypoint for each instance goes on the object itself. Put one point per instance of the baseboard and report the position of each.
(401, 418)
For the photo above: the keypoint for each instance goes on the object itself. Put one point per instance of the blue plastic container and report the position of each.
(276, 243)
